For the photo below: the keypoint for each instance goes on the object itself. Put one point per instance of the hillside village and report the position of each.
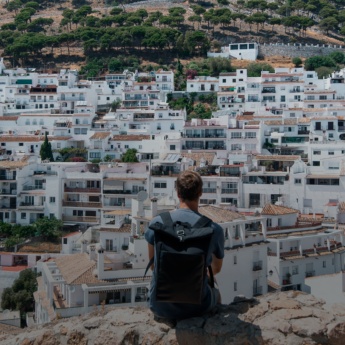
(271, 158)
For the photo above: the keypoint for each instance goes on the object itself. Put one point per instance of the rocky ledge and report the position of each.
(276, 319)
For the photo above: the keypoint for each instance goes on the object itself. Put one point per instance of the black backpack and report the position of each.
(180, 268)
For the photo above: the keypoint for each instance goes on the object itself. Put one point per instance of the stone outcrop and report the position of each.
(276, 319)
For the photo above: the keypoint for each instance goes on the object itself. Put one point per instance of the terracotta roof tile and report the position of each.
(12, 165)
(9, 118)
(100, 135)
(21, 138)
(133, 137)
(277, 158)
(218, 214)
(273, 210)
(77, 269)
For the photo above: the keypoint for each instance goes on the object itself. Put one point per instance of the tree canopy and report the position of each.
(46, 150)
(130, 156)
(20, 295)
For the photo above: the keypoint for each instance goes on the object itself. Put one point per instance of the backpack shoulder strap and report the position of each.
(166, 219)
(202, 222)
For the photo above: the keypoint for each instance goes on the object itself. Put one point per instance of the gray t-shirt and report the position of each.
(182, 310)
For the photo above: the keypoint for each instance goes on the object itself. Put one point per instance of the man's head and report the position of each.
(189, 186)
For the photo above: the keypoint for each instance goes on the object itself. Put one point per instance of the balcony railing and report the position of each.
(34, 187)
(309, 274)
(82, 190)
(81, 219)
(82, 204)
(257, 266)
(118, 191)
(229, 191)
(7, 177)
(209, 190)
(257, 290)
(30, 206)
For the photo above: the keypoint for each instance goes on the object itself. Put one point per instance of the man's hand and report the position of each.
(216, 264)
(151, 253)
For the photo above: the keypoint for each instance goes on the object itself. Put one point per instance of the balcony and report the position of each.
(82, 190)
(257, 265)
(286, 280)
(30, 206)
(164, 171)
(303, 132)
(7, 177)
(229, 191)
(209, 190)
(81, 204)
(309, 274)
(257, 290)
(34, 187)
(120, 191)
(81, 219)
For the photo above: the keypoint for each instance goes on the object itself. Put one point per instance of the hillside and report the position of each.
(274, 319)
(70, 33)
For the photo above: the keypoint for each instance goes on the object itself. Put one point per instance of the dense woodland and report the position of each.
(136, 34)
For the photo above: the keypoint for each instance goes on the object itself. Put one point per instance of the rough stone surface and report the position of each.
(284, 318)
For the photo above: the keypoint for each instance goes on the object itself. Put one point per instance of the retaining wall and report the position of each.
(298, 50)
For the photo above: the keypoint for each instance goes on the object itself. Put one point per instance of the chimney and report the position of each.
(154, 206)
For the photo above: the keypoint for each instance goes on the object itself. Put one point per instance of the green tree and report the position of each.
(20, 295)
(338, 57)
(254, 69)
(311, 64)
(130, 156)
(48, 227)
(297, 61)
(324, 72)
(46, 150)
(328, 24)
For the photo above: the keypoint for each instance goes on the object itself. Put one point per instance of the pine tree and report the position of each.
(46, 150)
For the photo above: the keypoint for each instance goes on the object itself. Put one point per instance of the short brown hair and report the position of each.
(189, 185)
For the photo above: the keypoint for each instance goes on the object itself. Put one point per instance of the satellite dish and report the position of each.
(142, 195)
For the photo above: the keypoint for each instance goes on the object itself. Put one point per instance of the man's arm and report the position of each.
(216, 264)
(151, 253)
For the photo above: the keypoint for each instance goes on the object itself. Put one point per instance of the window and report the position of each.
(58, 145)
(331, 153)
(236, 135)
(235, 260)
(298, 181)
(126, 146)
(235, 286)
(21, 144)
(317, 152)
(172, 147)
(52, 199)
(316, 163)
(160, 185)
(65, 241)
(294, 270)
(250, 135)
(229, 187)
(23, 215)
(109, 245)
(224, 80)
(324, 264)
(95, 155)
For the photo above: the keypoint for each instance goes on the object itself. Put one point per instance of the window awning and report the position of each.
(23, 81)
(118, 212)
